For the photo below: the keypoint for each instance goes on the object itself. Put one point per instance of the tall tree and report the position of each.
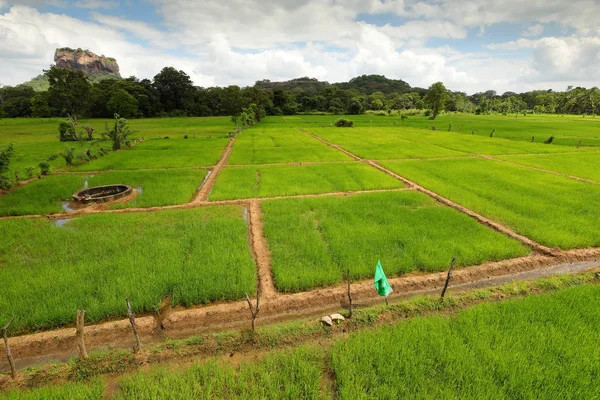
(435, 98)
(174, 88)
(69, 91)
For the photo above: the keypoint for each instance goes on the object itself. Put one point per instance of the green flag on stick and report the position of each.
(381, 283)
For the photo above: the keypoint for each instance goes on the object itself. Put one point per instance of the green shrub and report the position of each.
(344, 123)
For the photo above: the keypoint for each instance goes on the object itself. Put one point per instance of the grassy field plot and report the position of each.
(36, 139)
(371, 145)
(584, 165)
(287, 180)
(550, 209)
(313, 241)
(541, 347)
(264, 136)
(165, 153)
(289, 375)
(155, 188)
(93, 262)
(474, 144)
(567, 130)
(266, 155)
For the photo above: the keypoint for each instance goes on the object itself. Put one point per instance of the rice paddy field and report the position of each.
(93, 262)
(541, 346)
(321, 212)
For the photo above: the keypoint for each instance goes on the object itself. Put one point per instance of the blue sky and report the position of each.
(471, 45)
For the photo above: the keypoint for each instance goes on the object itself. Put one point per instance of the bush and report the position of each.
(66, 130)
(68, 155)
(549, 140)
(344, 123)
(44, 167)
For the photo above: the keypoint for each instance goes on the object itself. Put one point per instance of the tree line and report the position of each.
(172, 93)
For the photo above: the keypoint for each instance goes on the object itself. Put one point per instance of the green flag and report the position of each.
(381, 283)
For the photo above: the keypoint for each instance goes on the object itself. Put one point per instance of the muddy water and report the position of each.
(62, 221)
(66, 206)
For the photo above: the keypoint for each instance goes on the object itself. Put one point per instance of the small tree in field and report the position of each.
(118, 133)
(435, 98)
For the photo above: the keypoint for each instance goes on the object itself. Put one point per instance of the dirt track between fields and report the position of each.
(60, 344)
(260, 250)
(208, 184)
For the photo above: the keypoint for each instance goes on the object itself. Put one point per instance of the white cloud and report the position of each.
(96, 4)
(240, 41)
(533, 30)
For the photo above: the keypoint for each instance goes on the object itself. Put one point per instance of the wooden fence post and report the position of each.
(138, 345)
(79, 334)
(11, 361)
(448, 277)
(254, 310)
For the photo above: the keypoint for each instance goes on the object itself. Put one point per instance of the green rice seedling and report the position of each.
(550, 209)
(162, 153)
(94, 261)
(542, 347)
(284, 375)
(287, 180)
(52, 194)
(264, 135)
(314, 241)
(275, 155)
(582, 165)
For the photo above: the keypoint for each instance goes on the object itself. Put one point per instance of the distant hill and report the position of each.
(365, 84)
(375, 83)
(96, 68)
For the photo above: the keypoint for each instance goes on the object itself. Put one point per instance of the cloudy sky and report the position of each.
(470, 45)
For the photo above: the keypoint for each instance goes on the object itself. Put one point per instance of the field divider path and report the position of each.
(260, 251)
(191, 205)
(209, 182)
(478, 217)
(60, 344)
(540, 169)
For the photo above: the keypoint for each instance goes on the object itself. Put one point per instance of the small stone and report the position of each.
(326, 320)
(337, 317)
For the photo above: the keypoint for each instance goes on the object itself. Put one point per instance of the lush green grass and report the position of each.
(274, 155)
(478, 144)
(567, 130)
(158, 154)
(284, 375)
(550, 209)
(286, 180)
(69, 391)
(368, 143)
(585, 165)
(263, 135)
(540, 347)
(93, 262)
(36, 139)
(314, 241)
(155, 188)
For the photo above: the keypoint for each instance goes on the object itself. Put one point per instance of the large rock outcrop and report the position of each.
(86, 61)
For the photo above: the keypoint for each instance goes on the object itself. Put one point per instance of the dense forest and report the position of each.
(172, 93)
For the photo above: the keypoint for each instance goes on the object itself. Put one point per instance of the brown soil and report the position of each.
(60, 344)
(204, 191)
(260, 250)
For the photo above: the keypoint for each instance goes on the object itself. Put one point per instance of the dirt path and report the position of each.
(208, 184)
(60, 344)
(541, 170)
(261, 253)
(480, 218)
